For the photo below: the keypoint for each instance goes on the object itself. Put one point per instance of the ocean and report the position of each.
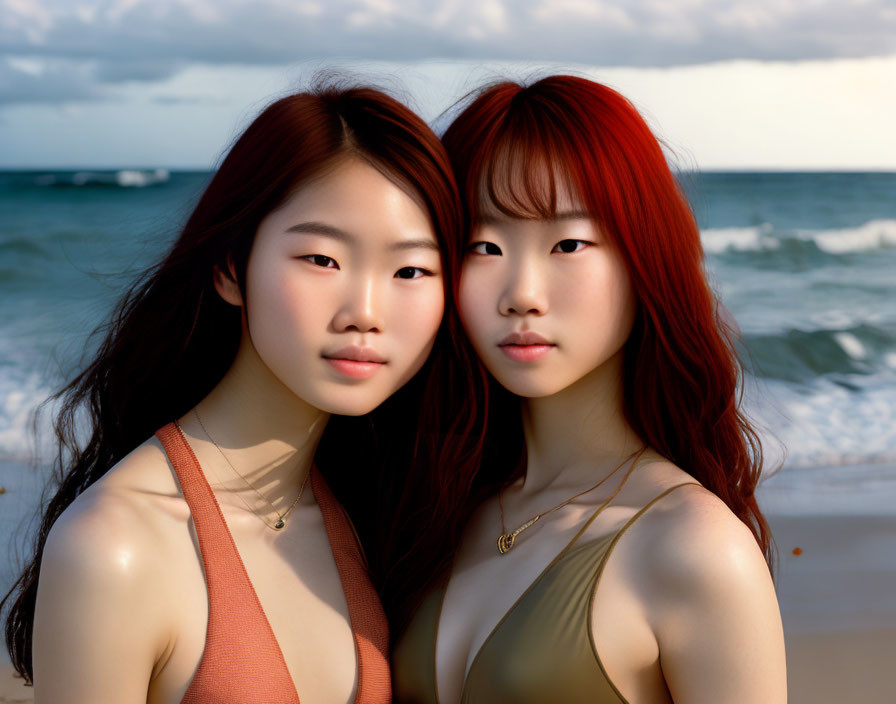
(805, 262)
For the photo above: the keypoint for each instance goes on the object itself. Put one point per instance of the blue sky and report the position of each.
(727, 83)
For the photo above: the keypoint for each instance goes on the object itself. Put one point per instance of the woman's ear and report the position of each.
(226, 286)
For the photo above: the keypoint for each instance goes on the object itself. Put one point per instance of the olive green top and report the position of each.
(542, 650)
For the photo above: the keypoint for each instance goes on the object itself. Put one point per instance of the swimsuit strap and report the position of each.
(606, 503)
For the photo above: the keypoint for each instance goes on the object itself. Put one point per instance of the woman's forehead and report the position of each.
(534, 191)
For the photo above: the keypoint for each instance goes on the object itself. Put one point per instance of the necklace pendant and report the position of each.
(505, 542)
(279, 524)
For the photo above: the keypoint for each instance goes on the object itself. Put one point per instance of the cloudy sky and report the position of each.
(740, 84)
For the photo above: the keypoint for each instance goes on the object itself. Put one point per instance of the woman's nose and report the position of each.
(360, 309)
(525, 292)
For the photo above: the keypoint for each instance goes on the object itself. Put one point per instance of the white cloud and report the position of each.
(494, 16)
(752, 66)
(118, 10)
(32, 67)
(25, 17)
(827, 115)
(278, 31)
(560, 11)
(31, 80)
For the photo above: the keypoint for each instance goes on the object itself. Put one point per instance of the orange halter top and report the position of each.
(242, 661)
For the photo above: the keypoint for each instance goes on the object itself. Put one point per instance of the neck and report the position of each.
(262, 430)
(579, 434)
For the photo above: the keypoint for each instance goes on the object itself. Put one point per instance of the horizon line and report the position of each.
(707, 169)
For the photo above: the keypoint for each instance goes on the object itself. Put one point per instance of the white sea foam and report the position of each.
(842, 319)
(739, 239)
(21, 397)
(851, 345)
(126, 178)
(139, 179)
(874, 234)
(825, 424)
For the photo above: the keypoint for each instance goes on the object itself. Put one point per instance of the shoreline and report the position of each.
(837, 592)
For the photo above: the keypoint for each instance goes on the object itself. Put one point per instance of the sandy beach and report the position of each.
(838, 604)
(835, 529)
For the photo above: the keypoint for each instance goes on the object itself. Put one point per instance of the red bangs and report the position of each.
(524, 164)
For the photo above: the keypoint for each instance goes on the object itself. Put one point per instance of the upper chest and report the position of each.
(292, 575)
(497, 603)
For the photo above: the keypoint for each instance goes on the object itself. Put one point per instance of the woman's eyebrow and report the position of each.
(319, 228)
(414, 244)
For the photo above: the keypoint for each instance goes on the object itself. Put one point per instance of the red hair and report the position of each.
(681, 372)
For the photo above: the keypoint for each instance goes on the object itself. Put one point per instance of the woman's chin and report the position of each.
(530, 385)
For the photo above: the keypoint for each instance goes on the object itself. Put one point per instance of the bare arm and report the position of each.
(98, 630)
(717, 621)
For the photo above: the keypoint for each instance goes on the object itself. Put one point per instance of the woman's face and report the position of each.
(344, 289)
(545, 302)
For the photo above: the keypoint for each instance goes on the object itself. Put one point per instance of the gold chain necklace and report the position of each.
(506, 540)
(281, 518)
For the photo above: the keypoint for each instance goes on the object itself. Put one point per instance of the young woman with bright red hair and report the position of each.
(609, 547)
(194, 551)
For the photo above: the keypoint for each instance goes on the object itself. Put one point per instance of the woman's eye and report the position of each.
(485, 248)
(412, 272)
(321, 260)
(570, 246)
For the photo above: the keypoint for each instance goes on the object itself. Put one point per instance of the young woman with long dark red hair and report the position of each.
(608, 547)
(193, 551)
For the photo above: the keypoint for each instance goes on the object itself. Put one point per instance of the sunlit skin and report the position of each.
(686, 609)
(329, 279)
(344, 298)
(556, 279)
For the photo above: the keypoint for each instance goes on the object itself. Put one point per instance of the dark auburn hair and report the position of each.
(172, 338)
(681, 371)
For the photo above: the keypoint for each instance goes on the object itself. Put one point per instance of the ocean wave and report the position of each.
(825, 423)
(21, 396)
(876, 234)
(873, 235)
(798, 355)
(718, 240)
(15, 246)
(125, 178)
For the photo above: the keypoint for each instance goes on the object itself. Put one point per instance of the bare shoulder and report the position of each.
(697, 543)
(126, 504)
(708, 597)
(145, 471)
(108, 545)
(103, 591)
(109, 535)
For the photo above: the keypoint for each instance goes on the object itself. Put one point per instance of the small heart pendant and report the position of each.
(505, 542)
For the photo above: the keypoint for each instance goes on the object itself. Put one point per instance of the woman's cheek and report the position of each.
(285, 301)
(473, 302)
(288, 317)
(418, 322)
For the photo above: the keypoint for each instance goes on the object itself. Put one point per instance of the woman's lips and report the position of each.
(525, 346)
(526, 353)
(354, 369)
(355, 362)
